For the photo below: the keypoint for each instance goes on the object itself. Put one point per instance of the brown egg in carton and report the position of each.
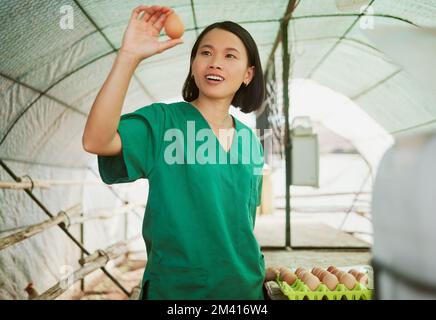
(286, 275)
(330, 277)
(311, 281)
(271, 274)
(356, 275)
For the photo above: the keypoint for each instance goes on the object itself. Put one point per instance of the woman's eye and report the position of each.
(207, 53)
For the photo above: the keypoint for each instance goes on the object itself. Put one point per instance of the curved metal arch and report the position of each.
(345, 39)
(370, 88)
(416, 126)
(328, 53)
(315, 16)
(376, 85)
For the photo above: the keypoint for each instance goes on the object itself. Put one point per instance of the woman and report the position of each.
(203, 165)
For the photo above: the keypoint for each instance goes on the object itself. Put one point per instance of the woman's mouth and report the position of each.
(214, 79)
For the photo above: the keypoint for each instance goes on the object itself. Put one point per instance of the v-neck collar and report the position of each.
(235, 121)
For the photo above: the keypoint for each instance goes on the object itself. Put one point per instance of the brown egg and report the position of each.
(362, 278)
(305, 275)
(354, 272)
(318, 272)
(331, 269)
(315, 270)
(310, 280)
(322, 274)
(174, 27)
(354, 275)
(330, 280)
(302, 273)
(334, 275)
(299, 271)
(289, 277)
(284, 270)
(347, 280)
(271, 274)
(339, 274)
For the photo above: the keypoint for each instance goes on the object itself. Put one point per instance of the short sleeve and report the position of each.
(141, 135)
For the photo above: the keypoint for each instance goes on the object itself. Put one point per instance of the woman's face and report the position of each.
(221, 53)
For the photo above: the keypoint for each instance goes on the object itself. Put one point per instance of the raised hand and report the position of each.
(141, 36)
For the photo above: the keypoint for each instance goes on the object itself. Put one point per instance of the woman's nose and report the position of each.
(215, 63)
(215, 66)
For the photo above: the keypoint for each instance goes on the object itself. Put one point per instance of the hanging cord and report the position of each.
(362, 186)
(46, 211)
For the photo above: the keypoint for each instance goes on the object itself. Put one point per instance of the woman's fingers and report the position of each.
(137, 11)
(154, 17)
(158, 25)
(147, 11)
(160, 14)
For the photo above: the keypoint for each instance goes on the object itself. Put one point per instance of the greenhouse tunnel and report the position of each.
(362, 70)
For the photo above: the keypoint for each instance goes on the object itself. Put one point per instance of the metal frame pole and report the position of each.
(287, 138)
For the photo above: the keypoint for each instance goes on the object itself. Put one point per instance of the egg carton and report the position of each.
(300, 291)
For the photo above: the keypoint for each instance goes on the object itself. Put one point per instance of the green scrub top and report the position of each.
(200, 213)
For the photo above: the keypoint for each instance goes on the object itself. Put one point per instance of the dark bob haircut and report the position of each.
(248, 98)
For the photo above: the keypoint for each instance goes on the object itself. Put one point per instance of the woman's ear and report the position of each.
(249, 75)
